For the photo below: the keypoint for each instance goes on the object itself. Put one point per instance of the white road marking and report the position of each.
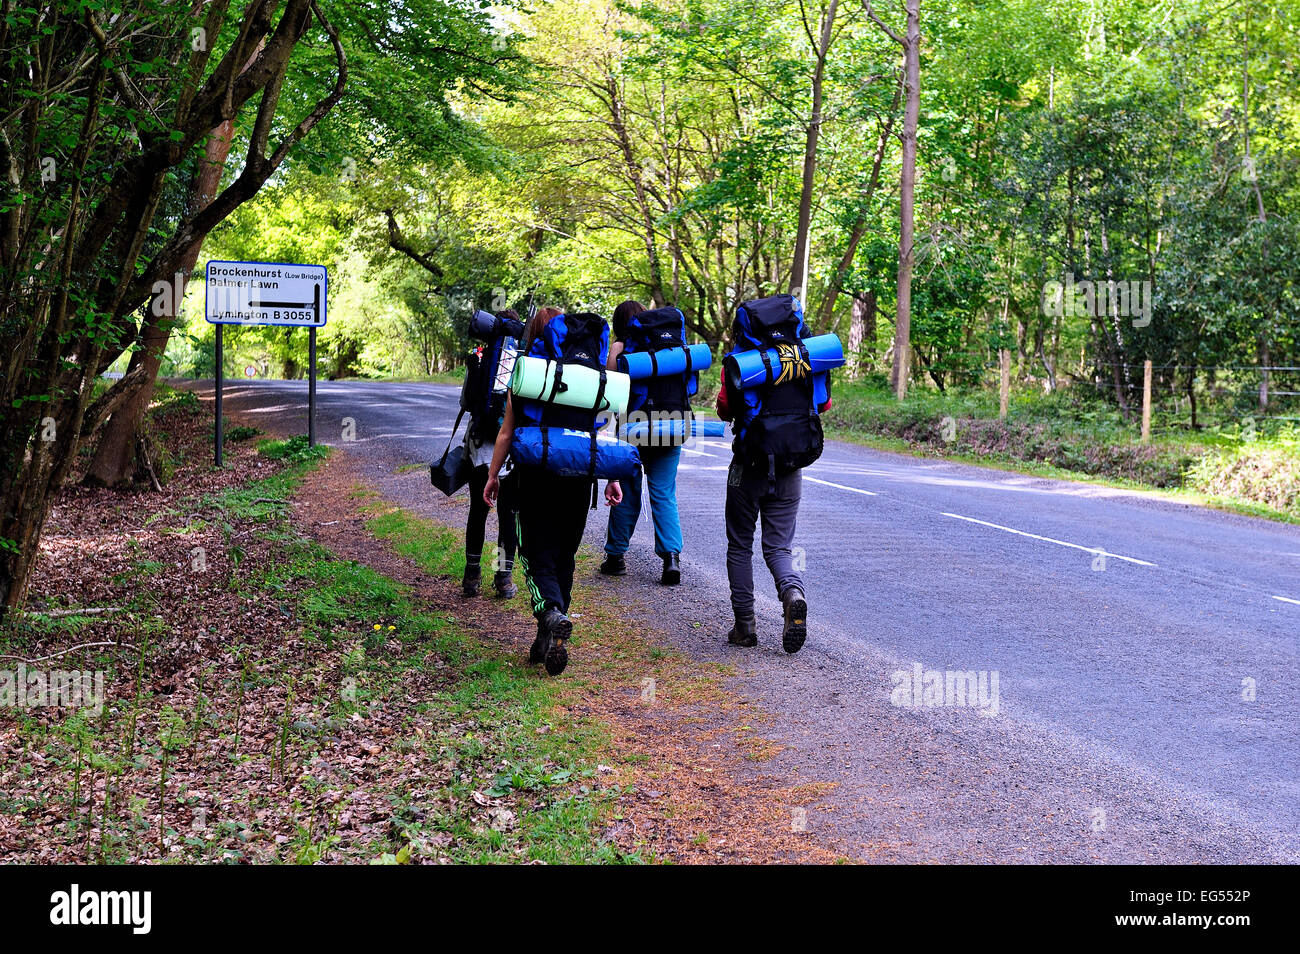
(1287, 599)
(827, 483)
(1096, 551)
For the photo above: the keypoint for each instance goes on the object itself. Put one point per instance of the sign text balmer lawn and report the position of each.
(266, 293)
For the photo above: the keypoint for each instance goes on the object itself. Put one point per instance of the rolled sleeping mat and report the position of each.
(568, 453)
(670, 361)
(486, 326)
(534, 378)
(482, 325)
(821, 388)
(670, 430)
(824, 353)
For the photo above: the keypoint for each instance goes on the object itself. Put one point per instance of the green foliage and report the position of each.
(653, 150)
(1263, 470)
(1075, 432)
(241, 433)
(294, 449)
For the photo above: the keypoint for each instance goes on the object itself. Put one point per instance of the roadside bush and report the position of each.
(1266, 472)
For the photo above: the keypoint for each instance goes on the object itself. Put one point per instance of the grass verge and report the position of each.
(300, 708)
(1240, 467)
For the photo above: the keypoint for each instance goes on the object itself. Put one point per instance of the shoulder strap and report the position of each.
(454, 428)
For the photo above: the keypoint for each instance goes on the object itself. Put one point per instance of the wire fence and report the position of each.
(1200, 396)
(1223, 393)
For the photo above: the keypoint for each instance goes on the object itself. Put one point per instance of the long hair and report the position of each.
(538, 323)
(622, 313)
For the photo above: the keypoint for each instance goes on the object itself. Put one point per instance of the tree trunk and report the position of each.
(907, 195)
(636, 176)
(55, 331)
(836, 282)
(799, 267)
(862, 330)
(116, 460)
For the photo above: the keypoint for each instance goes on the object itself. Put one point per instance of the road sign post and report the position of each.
(311, 387)
(220, 433)
(266, 293)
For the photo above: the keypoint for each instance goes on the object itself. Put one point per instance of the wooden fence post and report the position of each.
(1004, 389)
(1146, 401)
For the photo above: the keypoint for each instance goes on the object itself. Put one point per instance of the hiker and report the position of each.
(664, 399)
(484, 396)
(551, 443)
(777, 433)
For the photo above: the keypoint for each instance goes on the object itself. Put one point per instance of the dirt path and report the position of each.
(690, 751)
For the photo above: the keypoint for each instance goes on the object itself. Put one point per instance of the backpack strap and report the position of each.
(557, 384)
(591, 462)
(546, 445)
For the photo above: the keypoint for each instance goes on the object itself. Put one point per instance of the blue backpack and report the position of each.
(581, 338)
(658, 330)
(560, 438)
(776, 425)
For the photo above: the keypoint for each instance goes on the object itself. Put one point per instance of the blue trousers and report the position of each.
(660, 465)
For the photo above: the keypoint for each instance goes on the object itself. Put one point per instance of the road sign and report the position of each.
(265, 293)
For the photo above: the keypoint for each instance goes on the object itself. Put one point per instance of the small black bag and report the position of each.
(451, 472)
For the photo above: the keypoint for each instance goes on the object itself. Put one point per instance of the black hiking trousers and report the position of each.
(476, 525)
(552, 516)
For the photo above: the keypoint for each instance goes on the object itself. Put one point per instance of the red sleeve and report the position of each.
(724, 412)
(825, 407)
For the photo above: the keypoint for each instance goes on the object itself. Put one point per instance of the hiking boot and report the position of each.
(556, 628)
(470, 585)
(505, 587)
(538, 651)
(672, 570)
(795, 630)
(614, 565)
(744, 633)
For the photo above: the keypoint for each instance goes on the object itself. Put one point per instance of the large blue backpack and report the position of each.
(658, 330)
(776, 425)
(581, 338)
(561, 438)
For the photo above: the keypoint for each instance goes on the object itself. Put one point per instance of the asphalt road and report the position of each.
(1147, 694)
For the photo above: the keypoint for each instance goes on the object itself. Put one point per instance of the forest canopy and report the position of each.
(658, 150)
